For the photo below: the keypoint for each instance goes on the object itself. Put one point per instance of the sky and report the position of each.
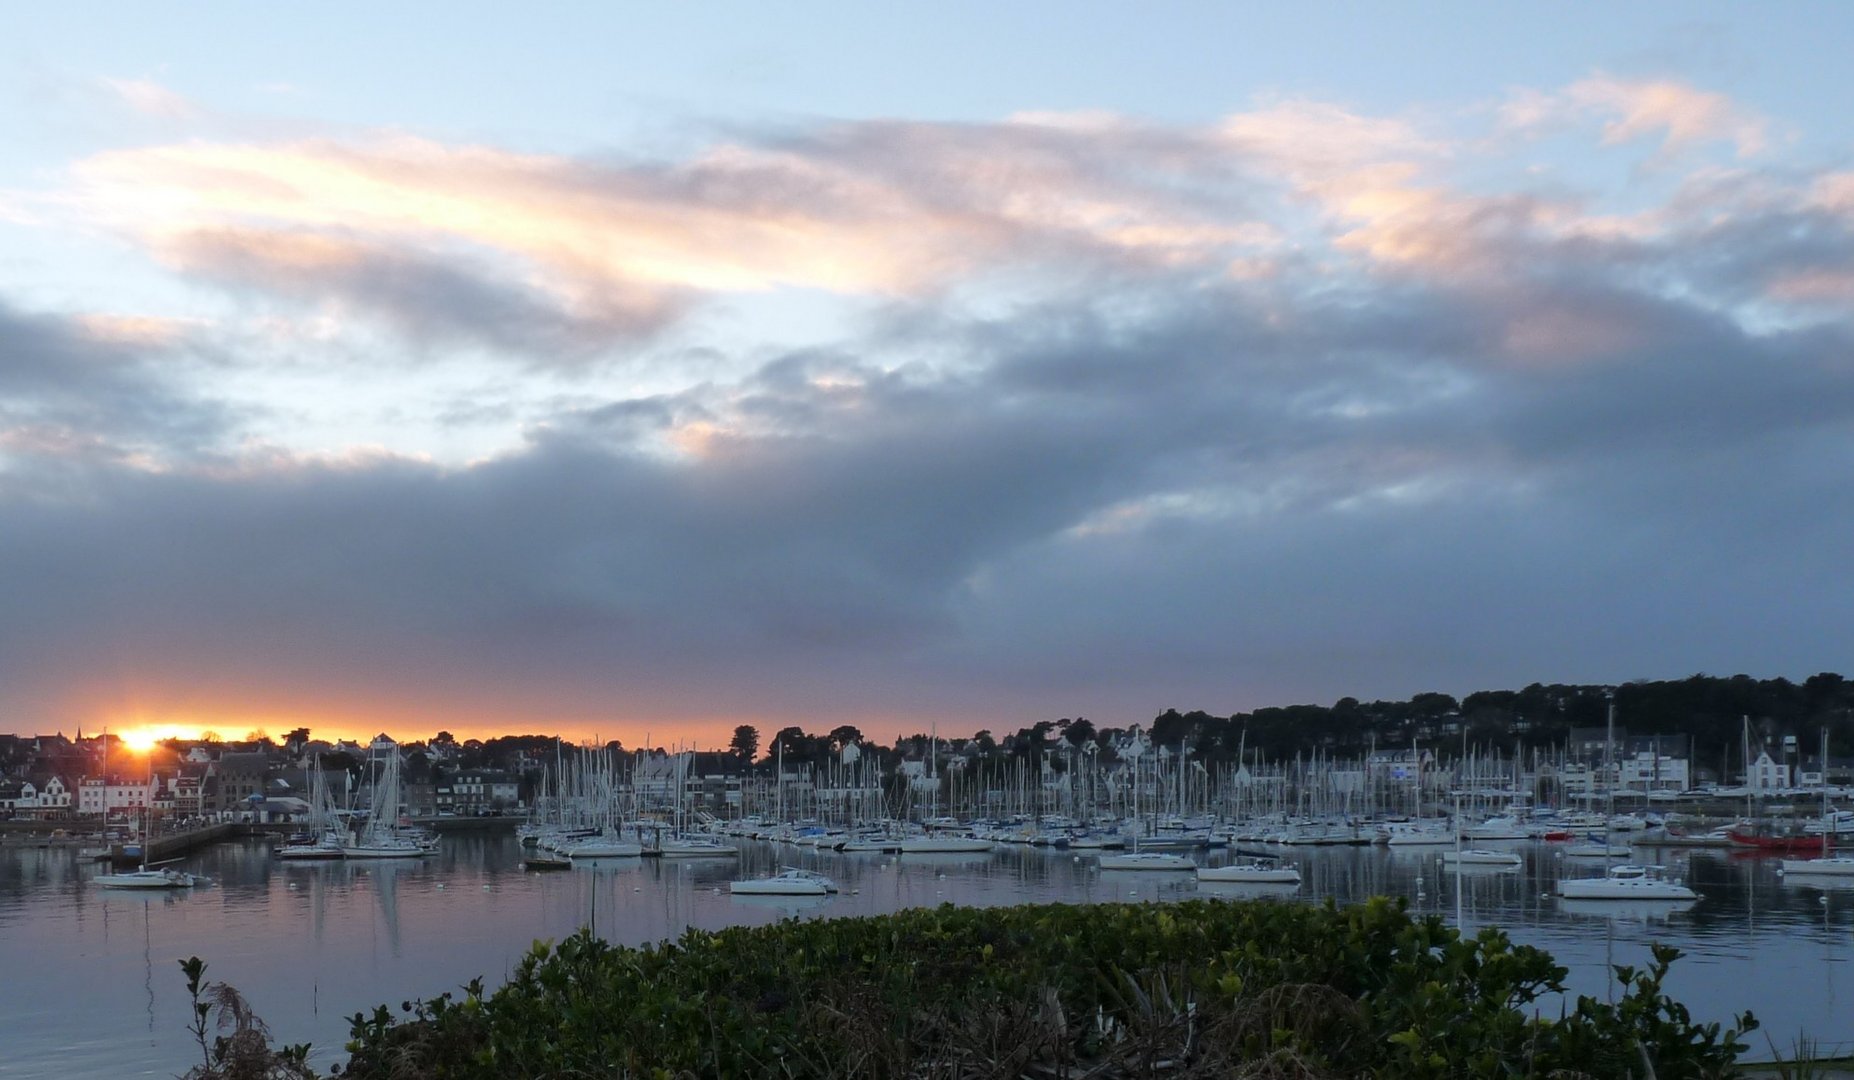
(637, 371)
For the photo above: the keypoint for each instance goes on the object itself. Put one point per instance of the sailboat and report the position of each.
(380, 838)
(791, 881)
(1625, 881)
(1838, 865)
(149, 877)
(324, 840)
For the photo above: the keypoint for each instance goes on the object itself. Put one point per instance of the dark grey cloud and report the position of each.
(69, 399)
(1198, 496)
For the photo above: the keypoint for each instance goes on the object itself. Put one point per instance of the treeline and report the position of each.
(1710, 710)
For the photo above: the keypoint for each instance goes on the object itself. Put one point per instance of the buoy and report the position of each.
(485, 888)
(440, 884)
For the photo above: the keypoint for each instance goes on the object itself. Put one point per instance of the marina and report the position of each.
(312, 942)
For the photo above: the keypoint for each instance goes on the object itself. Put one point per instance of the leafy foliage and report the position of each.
(244, 1052)
(1191, 989)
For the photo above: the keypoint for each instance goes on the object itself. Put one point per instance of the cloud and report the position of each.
(1212, 502)
(150, 98)
(1299, 403)
(427, 296)
(1681, 116)
(97, 389)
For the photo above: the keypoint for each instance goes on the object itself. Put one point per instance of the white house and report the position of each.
(99, 796)
(1766, 775)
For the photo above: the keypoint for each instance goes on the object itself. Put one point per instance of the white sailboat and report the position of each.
(380, 837)
(791, 881)
(1257, 870)
(324, 837)
(149, 877)
(1827, 865)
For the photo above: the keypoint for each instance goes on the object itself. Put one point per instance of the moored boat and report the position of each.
(791, 881)
(1626, 882)
(147, 878)
(1255, 870)
(1836, 865)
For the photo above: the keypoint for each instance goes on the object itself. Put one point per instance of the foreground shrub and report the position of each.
(1202, 988)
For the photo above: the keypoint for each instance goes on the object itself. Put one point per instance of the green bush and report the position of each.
(1203, 988)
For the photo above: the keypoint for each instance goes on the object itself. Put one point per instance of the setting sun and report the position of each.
(143, 739)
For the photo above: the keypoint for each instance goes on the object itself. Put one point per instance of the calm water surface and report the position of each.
(89, 984)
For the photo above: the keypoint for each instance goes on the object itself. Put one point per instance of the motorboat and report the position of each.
(546, 860)
(791, 881)
(1626, 882)
(1258, 870)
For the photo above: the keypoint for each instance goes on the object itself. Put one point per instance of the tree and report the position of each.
(1079, 731)
(791, 743)
(746, 742)
(843, 735)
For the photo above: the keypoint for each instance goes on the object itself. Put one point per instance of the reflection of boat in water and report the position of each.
(791, 881)
(1482, 858)
(944, 845)
(1625, 882)
(1636, 910)
(1786, 843)
(790, 905)
(1247, 890)
(1148, 860)
(1252, 871)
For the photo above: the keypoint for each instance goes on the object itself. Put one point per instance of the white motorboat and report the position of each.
(1147, 860)
(1836, 865)
(1261, 871)
(788, 882)
(146, 878)
(1626, 882)
(1483, 857)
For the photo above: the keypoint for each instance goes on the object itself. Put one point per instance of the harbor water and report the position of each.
(89, 983)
